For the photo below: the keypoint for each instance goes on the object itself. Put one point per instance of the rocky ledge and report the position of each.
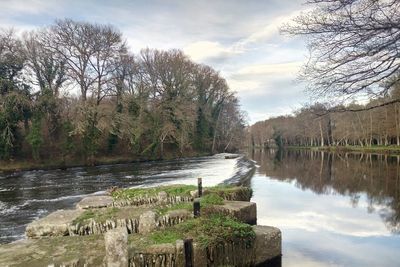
(163, 226)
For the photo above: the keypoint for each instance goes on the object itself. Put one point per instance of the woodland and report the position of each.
(74, 92)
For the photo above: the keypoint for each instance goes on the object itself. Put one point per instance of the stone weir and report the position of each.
(176, 225)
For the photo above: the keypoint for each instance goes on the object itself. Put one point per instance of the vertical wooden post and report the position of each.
(200, 186)
(196, 207)
(188, 244)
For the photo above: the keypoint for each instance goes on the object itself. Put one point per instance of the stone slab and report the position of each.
(55, 224)
(268, 244)
(116, 243)
(95, 202)
(147, 222)
(242, 210)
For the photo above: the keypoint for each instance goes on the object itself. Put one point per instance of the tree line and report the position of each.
(319, 125)
(74, 90)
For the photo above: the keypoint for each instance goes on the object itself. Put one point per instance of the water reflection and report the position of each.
(348, 174)
(333, 209)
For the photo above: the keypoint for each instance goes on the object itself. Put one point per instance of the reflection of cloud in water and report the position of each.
(327, 249)
(331, 213)
(323, 230)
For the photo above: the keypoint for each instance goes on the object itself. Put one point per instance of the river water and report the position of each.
(333, 209)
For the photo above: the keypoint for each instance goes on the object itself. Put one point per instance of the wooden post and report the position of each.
(200, 186)
(188, 244)
(196, 207)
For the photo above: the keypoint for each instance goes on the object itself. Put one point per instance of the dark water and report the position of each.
(27, 196)
(333, 209)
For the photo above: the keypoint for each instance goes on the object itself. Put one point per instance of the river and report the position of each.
(334, 209)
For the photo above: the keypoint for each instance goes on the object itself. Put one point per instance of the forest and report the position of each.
(373, 124)
(73, 91)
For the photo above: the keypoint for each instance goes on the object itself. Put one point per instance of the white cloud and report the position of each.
(289, 68)
(202, 50)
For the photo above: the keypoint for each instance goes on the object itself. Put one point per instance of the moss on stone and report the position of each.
(104, 214)
(230, 192)
(96, 214)
(171, 190)
(207, 231)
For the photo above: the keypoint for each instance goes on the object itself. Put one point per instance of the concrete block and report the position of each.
(268, 243)
(116, 243)
(55, 224)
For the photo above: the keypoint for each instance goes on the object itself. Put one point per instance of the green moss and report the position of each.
(165, 237)
(171, 190)
(211, 199)
(227, 191)
(99, 215)
(205, 201)
(178, 206)
(208, 231)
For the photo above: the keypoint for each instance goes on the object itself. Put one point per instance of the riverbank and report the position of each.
(390, 150)
(51, 164)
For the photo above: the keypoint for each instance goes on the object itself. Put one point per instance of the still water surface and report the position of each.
(333, 209)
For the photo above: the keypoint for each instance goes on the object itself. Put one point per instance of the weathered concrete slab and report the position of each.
(268, 243)
(56, 251)
(147, 222)
(242, 210)
(95, 202)
(55, 224)
(116, 242)
(162, 255)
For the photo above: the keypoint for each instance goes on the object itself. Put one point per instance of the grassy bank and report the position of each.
(395, 150)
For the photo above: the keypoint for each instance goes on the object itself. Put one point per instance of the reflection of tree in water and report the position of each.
(349, 174)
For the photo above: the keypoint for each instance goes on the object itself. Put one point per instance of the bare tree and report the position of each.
(47, 68)
(354, 45)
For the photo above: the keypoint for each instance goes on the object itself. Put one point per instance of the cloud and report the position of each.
(289, 68)
(27, 7)
(264, 78)
(203, 50)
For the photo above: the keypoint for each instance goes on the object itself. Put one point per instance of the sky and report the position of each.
(240, 39)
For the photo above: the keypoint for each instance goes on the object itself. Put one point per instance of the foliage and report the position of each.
(34, 137)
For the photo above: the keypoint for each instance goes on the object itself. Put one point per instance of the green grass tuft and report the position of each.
(99, 215)
(211, 199)
(171, 190)
(208, 231)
